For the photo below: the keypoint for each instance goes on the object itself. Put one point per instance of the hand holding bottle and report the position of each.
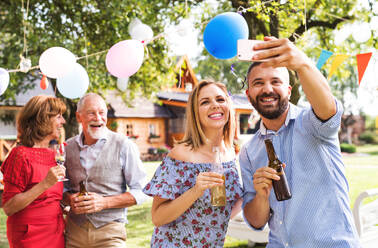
(263, 180)
(280, 186)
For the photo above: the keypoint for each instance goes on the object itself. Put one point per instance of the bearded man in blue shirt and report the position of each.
(306, 140)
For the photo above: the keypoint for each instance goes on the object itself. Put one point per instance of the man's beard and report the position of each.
(97, 134)
(270, 114)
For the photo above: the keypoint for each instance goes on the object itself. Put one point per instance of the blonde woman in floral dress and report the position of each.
(181, 211)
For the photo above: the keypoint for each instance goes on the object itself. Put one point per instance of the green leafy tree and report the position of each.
(310, 24)
(87, 27)
(84, 27)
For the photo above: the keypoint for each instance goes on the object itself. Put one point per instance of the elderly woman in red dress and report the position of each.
(31, 197)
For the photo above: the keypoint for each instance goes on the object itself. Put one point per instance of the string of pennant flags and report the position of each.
(363, 60)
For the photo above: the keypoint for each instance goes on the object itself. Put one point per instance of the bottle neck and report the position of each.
(272, 156)
(217, 160)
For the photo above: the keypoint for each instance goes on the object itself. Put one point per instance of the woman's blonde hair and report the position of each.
(34, 119)
(194, 135)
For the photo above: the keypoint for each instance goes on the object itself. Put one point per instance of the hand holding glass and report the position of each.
(60, 158)
(218, 193)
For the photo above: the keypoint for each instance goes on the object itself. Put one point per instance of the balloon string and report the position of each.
(93, 54)
(18, 70)
(25, 16)
(238, 77)
(146, 48)
(305, 17)
(186, 8)
(86, 50)
(153, 38)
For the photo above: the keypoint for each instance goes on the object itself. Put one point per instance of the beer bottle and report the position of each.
(218, 193)
(281, 187)
(83, 190)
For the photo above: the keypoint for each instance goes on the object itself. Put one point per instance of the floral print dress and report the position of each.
(202, 225)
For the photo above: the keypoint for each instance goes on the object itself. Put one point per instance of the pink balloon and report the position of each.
(125, 58)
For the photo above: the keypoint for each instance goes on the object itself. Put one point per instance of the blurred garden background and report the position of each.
(148, 103)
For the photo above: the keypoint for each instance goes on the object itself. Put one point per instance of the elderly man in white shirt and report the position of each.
(111, 169)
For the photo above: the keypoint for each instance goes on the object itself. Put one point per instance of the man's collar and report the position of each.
(291, 115)
(80, 138)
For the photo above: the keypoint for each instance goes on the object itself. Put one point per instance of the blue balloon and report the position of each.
(222, 32)
(75, 83)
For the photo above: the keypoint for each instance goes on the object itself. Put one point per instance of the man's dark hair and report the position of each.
(251, 66)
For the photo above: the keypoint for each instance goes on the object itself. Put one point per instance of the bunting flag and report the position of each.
(339, 58)
(362, 62)
(324, 56)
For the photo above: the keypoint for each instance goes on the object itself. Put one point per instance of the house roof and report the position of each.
(241, 101)
(143, 107)
(23, 98)
(185, 59)
(173, 96)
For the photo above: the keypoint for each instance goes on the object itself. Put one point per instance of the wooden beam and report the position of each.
(10, 107)
(174, 103)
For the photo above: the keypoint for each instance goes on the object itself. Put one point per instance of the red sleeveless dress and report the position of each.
(41, 223)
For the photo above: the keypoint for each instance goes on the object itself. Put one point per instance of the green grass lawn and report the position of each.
(361, 171)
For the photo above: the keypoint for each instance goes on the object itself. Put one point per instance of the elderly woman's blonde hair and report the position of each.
(34, 120)
(194, 135)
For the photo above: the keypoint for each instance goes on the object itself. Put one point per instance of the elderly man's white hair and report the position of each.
(81, 102)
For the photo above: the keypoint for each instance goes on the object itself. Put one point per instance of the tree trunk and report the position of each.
(294, 83)
(71, 127)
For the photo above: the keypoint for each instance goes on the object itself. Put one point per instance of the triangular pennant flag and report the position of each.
(324, 56)
(362, 62)
(339, 58)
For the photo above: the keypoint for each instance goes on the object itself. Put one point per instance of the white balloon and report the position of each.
(342, 34)
(374, 23)
(4, 80)
(122, 83)
(142, 32)
(184, 27)
(56, 62)
(75, 83)
(135, 22)
(361, 32)
(25, 65)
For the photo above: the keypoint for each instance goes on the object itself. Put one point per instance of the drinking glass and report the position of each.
(60, 158)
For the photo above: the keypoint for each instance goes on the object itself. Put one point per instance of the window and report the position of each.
(243, 120)
(249, 123)
(152, 130)
(129, 130)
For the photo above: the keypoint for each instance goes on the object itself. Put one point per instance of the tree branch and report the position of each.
(317, 23)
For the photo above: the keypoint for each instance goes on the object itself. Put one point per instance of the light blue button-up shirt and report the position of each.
(318, 214)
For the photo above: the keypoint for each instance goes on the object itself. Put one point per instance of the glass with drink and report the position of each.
(218, 193)
(60, 157)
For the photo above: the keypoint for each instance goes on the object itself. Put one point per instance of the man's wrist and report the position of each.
(305, 66)
(262, 197)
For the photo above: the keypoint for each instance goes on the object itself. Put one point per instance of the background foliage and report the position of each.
(89, 26)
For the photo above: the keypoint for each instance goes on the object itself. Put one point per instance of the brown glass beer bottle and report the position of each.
(83, 190)
(281, 187)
